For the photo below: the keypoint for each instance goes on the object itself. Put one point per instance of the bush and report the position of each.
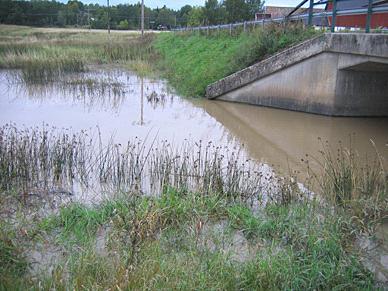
(123, 25)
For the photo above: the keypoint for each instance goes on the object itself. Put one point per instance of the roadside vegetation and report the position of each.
(193, 60)
(223, 232)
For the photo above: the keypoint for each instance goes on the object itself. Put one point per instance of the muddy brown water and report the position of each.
(124, 106)
(143, 108)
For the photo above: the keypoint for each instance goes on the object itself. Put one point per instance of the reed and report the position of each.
(34, 159)
(38, 158)
(355, 183)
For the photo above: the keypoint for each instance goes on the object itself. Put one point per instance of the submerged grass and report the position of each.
(40, 160)
(46, 55)
(161, 243)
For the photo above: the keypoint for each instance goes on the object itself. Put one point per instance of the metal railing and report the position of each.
(309, 16)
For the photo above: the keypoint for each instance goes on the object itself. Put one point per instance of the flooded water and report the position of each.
(124, 106)
(121, 106)
(131, 107)
(282, 138)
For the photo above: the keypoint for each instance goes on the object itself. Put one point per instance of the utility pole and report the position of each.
(108, 17)
(89, 17)
(369, 16)
(334, 15)
(311, 11)
(142, 17)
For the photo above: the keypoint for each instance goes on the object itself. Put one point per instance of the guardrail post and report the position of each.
(369, 16)
(245, 26)
(334, 16)
(230, 29)
(311, 10)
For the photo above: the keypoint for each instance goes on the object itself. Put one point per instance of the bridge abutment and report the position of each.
(335, 74)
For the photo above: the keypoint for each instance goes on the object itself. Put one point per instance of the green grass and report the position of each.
(158, 243)
(13, 264)
(78, 223)
(193, 61)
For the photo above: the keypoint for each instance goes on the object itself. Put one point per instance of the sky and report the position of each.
(177, 4)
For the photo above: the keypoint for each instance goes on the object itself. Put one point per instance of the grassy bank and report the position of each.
(191, 61)
(184, 240)
(203, 238)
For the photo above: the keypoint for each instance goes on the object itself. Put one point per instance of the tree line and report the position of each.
(124, 16)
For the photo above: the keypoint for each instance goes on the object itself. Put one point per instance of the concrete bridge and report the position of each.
(341, 74)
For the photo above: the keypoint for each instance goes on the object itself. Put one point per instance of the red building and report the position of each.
(273, 12)
(359, 20)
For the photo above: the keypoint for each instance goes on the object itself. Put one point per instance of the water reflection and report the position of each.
(142, 102)
(126, 106)
(283, 138)
(119, 103)
(94, 90)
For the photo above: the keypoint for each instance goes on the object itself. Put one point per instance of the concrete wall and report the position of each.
(335, 74)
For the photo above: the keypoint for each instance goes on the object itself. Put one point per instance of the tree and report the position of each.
(237, 10)
(196, 17)
(254, 6)
(240, 10)
(123, 25)
(183, 15)
(166, 17)
(74, 12)
(211, 11)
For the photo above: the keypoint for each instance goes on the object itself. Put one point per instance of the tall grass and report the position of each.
(355, 183)
(38, 160)
(91, 91)
(46, 56)
(192, 61)
(41, 158)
